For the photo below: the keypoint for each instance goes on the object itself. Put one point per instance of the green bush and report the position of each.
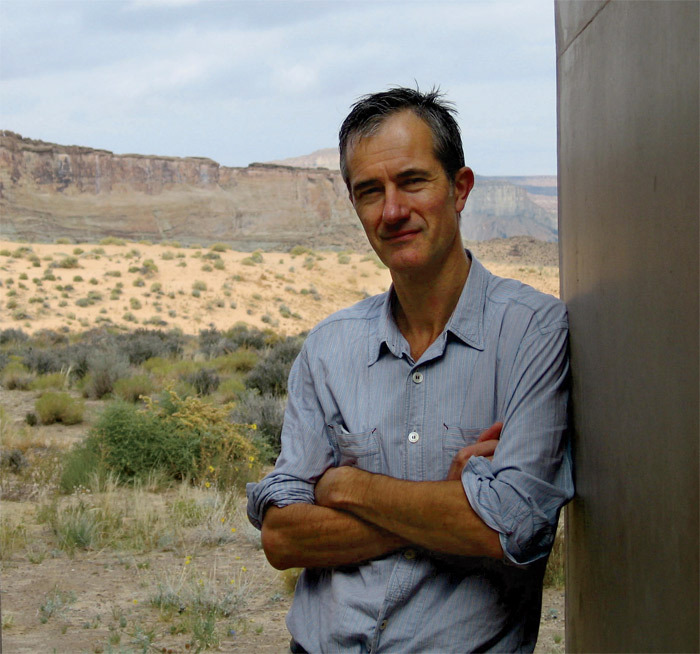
(59, 407)
(184, 438)
(131, 389)
(66, 262)
(16, 376)
(242, 360)
(112, 240)
(231, 389)
(55, 380)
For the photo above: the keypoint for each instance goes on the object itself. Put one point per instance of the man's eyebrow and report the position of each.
(365, 183)
(413, 172)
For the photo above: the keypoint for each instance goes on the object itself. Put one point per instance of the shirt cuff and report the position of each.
(523, 509)
(278, 490)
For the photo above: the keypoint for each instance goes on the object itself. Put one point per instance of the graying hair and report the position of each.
(370, 111)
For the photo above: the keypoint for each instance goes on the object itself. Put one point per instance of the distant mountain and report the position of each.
(49, 191)
(494, 210)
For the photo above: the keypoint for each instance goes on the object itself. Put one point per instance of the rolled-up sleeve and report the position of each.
(521, 491)
(305, 454)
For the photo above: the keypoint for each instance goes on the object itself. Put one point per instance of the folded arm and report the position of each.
(360, 516)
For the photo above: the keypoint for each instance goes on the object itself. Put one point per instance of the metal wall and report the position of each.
(628, 210)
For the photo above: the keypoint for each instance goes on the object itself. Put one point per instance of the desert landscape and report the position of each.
(92, 564)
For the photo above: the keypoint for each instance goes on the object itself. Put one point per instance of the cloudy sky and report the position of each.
(255, 80)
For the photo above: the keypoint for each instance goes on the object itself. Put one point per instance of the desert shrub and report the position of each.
(59, 407)
(135, 303)
(105, 368)
(12, 336)
(211, 256)
(149, 268)
(185, 438)
(43, 360)
(13, 537)
(220, 247)
(16, 376)
(242, 335)
(199, 286)
(112, 240)
(231, 389)
(131, 389)
(242, 360)
(55, 380)
(66, 262)
(80, 465)
(343, 258)
(267, 413)
(49, 338)
(204, 380)
(143, 344)
(269, 376)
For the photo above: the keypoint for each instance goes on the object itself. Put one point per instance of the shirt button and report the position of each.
(409, 555)
(417, 377)
(413, 437)
(383, 625)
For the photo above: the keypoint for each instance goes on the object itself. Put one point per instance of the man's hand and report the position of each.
(331, 482)
(484, 446)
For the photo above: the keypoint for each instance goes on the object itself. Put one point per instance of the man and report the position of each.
(423, 463)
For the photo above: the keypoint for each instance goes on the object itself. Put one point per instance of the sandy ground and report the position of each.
(289, 293)
(286, 292)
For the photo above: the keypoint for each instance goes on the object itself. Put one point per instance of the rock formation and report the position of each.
(49, 191)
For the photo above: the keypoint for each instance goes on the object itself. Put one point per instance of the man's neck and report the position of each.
(424, 303)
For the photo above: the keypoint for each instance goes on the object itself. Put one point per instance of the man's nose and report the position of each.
(395, 206)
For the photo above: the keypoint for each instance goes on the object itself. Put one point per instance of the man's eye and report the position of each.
(369, 192)
(414, 181)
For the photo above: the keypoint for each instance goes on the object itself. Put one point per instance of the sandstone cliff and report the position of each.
(49, 191)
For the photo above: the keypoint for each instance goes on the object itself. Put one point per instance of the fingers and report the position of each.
(492, 433)
(484, 446)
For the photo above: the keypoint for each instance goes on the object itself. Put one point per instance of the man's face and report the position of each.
(405, 202)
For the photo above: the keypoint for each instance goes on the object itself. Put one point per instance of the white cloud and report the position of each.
(243, 81)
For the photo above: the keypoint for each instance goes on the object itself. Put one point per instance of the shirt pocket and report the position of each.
(453, 440)
(360, 450)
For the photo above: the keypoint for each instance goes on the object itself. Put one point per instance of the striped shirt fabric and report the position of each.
(357, 397)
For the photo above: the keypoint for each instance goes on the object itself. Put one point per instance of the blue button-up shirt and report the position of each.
(357, 397)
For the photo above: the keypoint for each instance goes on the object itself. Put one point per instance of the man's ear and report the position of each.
(463, 184)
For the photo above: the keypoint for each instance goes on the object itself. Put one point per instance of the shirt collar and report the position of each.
(466, 321)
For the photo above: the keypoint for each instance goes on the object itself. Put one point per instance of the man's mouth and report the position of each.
(399, 236)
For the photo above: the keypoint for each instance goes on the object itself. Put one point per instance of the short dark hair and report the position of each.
(370, 111)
